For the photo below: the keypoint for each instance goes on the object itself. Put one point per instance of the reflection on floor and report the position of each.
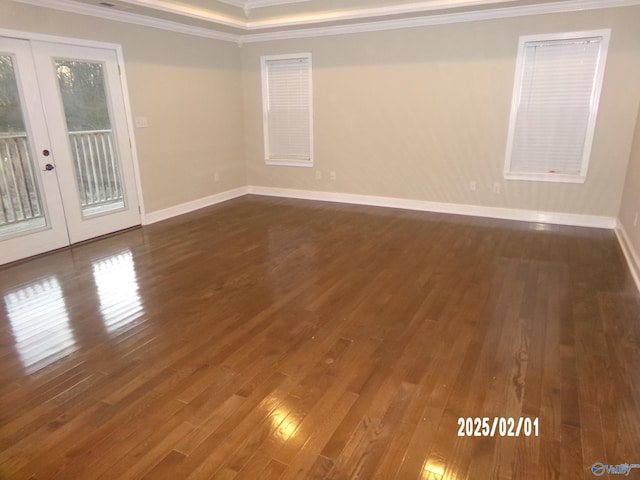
(40, 323)
(39, 317)
(117, 287)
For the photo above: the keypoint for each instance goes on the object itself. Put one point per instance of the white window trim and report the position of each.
(265, 89)
(604, 34)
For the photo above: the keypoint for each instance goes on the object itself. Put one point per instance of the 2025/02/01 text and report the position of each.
(498, 426)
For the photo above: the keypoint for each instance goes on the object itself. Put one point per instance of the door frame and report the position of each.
(117, 48)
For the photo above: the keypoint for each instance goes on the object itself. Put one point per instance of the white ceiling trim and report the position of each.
(271, 3)
(247, 5)
(236, 3)
(132, 18)
(247, 37)
(189, 11)
(440, 19)
(427, 6)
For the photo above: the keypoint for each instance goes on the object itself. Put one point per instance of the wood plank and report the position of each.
(282, 339)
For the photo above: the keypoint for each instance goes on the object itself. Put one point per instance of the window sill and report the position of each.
(289, 163)
(545, 177)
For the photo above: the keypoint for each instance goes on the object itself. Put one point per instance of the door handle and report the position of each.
(48, 167)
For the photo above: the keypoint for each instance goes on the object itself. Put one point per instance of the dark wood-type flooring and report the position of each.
(266, 338)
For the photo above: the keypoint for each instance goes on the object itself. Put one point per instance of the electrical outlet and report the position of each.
(318, 174)
(216, 177)
(332, 175)
(496, 188)
(473, 186)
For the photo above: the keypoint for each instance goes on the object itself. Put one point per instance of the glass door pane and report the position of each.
(91, 136)
(21, 207)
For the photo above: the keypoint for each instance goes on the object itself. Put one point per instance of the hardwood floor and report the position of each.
(280, 339)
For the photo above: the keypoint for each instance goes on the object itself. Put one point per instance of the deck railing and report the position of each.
(96, 171)
(19, 195)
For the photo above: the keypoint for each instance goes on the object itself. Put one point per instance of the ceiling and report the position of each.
(258, 20)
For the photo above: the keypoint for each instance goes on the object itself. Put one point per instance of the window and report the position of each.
(554, 106)
(287, 109)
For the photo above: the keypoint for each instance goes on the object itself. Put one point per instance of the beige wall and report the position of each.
(187, 87)
(411, 114)
(421, 112)
(630, 206)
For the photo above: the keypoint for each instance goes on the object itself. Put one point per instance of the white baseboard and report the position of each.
(389, 202)
(558, 218)
(183, 208)
(453, 208)
(633, 260)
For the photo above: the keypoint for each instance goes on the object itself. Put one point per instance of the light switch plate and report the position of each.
(142, 122)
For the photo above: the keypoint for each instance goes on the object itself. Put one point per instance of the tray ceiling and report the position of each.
(256, 20)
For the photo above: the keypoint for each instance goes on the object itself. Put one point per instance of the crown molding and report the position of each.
(440, 19)
(248, 5)
(189, 11)
(236, 3)
(276, 26)
(271, 3)
(357, 14)
(132, 18)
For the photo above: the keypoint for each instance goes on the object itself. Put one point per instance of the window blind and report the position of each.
(288, 108)
(555, 109)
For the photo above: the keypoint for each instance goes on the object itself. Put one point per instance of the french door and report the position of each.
(66, 166)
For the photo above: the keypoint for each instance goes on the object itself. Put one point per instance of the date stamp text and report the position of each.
(498, 426)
